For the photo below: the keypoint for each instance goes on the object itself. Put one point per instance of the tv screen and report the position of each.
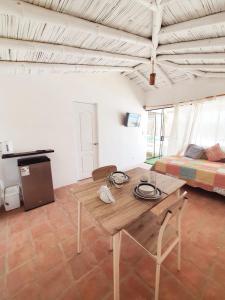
(132, 120)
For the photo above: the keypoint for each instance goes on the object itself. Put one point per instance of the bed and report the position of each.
(200, 173)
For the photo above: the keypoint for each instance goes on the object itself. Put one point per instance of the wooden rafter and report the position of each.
(19, 45)
(206, 67)
(138, 72)
(157, 23)
(151, 4)
(163, 74)
(22, 10)
(191, 57)
(198, 45)
(148, 4)
(214, 19)
(7, 66)
(208, 74)
(38, 14)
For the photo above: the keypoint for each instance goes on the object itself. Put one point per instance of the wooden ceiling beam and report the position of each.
(20, 45)
(12, 66)
(195, 45)
(142, 77)
(138, 72)
(166, 2)
(156, 25)
(214, 19)
(206, 67)
(209, 74)
(191, 57)
(160, 70)
(147, 4)
(151, 4)
(35, 13)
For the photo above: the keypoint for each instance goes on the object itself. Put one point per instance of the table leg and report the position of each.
(178, 193)
(116, 265)
(110, 244)
(79, 227)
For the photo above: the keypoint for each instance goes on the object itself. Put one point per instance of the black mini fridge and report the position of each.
(36, 180)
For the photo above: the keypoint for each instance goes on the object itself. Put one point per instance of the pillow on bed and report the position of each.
(215, 153)
(194, 151)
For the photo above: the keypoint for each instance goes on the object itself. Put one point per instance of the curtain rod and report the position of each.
(147, 108)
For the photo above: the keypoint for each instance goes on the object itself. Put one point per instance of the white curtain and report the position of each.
(201, 123)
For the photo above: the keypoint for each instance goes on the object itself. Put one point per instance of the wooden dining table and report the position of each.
(114, 217)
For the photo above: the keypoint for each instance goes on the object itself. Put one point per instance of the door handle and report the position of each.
(95, 144)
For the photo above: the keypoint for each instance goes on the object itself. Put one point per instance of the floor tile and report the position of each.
(39, 247)
(29, 292)
(17, 241)
(189, 276)
(46, 241)
(18, 226)
(133, 288)
(170, 289)
(213, 291)
(94, 286)
(218, 273)
(41, 229)
(16, 279)
(2, 265)
(107, 267)
(20, 256)
(71, 294)
(82, 263)
(46, 260)
(100, 248)
(66, 231)
(130, 251)
(55, 282)
(146, 269)
(69, 247)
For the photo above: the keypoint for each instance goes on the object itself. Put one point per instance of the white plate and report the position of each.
(157, 195)
(118, 177)
(146, 189)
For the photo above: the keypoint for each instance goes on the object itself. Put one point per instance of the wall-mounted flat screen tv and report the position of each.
(132, 120)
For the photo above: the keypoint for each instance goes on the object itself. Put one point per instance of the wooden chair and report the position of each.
(100, 173)
(154, 233)
(103, 172)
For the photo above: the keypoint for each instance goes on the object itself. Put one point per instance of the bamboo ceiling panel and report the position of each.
(192, 34)
(184, 10)
(93, 34)
(52, 57)
(29, 30)
(128, 15)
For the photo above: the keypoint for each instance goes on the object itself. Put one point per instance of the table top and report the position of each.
(127, 209)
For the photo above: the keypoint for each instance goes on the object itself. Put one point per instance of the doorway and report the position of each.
(86, 138)
(158, 132)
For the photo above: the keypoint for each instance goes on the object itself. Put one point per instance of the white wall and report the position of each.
(185, 91)
(36, 112)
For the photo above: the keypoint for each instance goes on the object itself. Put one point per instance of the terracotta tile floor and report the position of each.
(38, 258)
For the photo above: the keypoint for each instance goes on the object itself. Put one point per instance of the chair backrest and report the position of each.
(103, 172)
(175, 209)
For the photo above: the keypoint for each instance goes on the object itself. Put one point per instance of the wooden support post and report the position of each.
(116, 265)
(79, 228)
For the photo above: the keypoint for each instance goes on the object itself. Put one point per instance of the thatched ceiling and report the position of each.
(184, 38)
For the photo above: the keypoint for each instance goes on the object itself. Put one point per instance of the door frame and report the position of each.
(78, 141)
(161, 123)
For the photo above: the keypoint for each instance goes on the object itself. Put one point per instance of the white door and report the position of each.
(86, 138)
